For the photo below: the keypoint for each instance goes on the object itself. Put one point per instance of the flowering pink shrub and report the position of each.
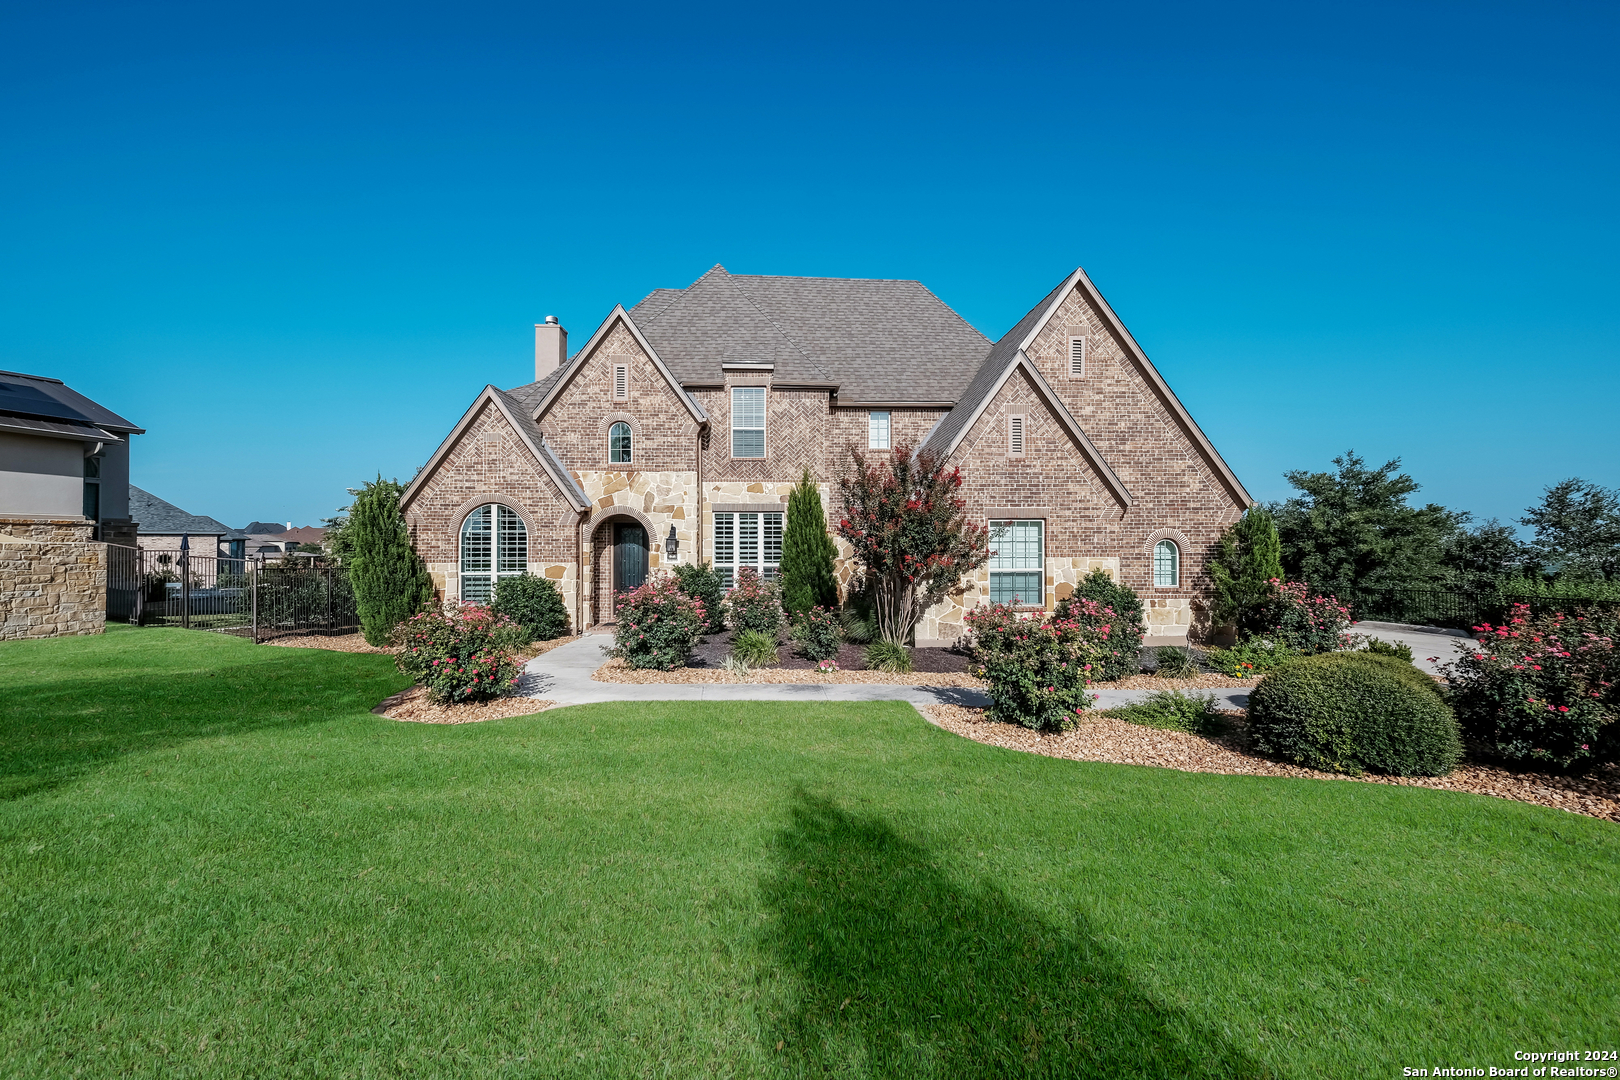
(756, 604)
(658, 625)
(1038, 669)
(1305, 621)
(1101, 601)
(1542, 688)
(465, 653)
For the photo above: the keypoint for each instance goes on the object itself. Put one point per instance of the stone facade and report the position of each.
(51, 587)
(52, 530)
(1144, 477)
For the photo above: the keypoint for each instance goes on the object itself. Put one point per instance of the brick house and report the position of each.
(689, 417)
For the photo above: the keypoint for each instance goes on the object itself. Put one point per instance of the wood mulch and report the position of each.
(615, 671)
(1105, 738)
(414, 706)
(356, 643)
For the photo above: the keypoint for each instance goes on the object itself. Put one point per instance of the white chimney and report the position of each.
(550, 347)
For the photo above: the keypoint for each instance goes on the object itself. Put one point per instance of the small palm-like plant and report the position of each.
(887, 656)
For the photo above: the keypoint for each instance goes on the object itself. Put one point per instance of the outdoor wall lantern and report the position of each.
(672, 546)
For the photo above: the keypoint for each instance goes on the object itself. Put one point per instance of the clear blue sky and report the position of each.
(294, 240)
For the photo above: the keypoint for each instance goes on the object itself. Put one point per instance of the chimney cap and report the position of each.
(551, 320)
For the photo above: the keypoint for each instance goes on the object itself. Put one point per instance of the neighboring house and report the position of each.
(692, 415)
(64, 464)
(164, 524)
(305, 534)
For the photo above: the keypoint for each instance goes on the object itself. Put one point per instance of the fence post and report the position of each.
(254, 589)
(185, 585)
(140, 589)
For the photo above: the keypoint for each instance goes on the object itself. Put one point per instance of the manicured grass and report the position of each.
(215, 862)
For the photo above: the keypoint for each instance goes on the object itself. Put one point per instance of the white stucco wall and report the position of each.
(41, 477)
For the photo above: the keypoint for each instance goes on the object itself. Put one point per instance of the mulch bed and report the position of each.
(712, 650)
(1105, 738)
(356, 643)
(413, 705)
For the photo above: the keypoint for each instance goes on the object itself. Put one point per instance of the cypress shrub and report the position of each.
(807, 553)
(534, 603)
(1247, 560)
(1355, 711)
(390, 581)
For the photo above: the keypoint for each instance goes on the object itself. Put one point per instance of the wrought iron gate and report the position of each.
(235, 596)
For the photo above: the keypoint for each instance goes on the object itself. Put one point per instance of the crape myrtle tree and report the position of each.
(1247, 559)
(807, 552)
(389, 579)
(911, 534)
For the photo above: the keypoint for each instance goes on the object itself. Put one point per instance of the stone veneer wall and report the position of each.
(51, 587)
(657, 499)
(60, 530)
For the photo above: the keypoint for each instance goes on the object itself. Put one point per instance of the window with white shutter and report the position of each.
(748, 421)
(621, 382)
(1015, 435)
(752, 540)
(1077, 356)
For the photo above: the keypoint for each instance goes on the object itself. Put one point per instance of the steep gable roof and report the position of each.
(544, 392)
(1008, 351)
(878, 340)
(523, 423)
(954, 426)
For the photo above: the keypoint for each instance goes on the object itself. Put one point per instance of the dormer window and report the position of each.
(1077, 357)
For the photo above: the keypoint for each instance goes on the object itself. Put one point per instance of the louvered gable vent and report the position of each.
(1077, 356)
(621, 382)
(1015, 435)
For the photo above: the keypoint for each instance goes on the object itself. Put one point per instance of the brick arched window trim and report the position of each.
(460, 519)
(1183, 545)
(618, 418)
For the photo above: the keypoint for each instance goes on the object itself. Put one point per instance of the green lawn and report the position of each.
(214, 861)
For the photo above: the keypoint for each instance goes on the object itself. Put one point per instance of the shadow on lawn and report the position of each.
(904, 972)
(58, 726)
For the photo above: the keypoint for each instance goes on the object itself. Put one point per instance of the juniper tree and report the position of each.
(807, 552)
(1246, 560)
(389, 579)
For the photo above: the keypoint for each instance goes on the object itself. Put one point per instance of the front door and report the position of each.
(629, 557)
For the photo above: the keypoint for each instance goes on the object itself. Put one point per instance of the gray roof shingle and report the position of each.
(50, 399)
(879, 340)
(160, 518)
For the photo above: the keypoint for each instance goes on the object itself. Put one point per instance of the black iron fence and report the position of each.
(233, 596)
(1463, 609)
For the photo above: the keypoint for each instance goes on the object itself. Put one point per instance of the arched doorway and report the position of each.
(620, 546)
(629, 556)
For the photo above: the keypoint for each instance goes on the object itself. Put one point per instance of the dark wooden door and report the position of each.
(629, 557)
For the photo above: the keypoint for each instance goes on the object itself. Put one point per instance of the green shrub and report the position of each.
(807, 552)
(1174, 662)
(1116, 607)
(754, 648)
(1542, 688)
(390, 580)
(1251, 658)
(756, 604)
(1354, 711)
(468, 653)
(1196, 713)
(1306, 621)
(658, 626)
(817, 634)
(1379, 647)
(887, 656)
(1246, 560)
(858, 629)
(1039, 670)
(701, 581)
(534, 603)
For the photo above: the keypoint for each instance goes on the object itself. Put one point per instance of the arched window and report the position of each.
(619, 443)
(494, 544)
(1166, 565)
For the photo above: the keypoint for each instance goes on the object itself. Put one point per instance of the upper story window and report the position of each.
(1077, 356)
(1017, 563)
(619, 439)
(494, 544)
(877, 431)
(748, 421)
(1166, 565)
(92, 488)
(621, 382)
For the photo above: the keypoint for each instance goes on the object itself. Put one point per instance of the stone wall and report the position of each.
(56, 530)
(48, 589)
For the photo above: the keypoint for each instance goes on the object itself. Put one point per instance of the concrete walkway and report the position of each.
(564, 675)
